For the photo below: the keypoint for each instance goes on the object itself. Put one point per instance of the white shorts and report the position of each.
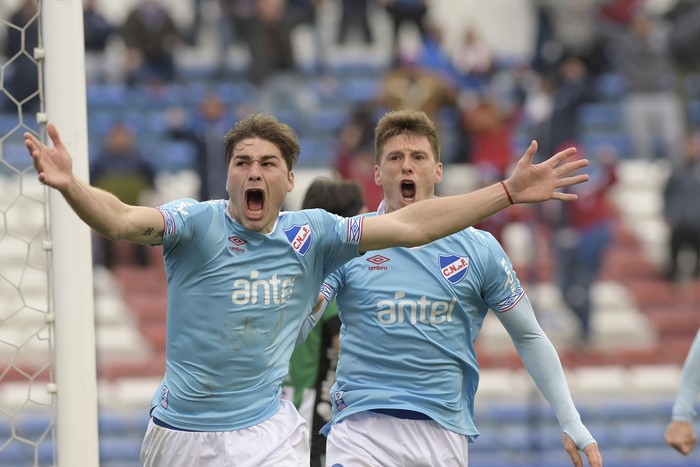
(371, 439)
(280, 441)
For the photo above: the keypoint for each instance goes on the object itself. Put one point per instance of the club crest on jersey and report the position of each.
(453, 267)
(300, 238)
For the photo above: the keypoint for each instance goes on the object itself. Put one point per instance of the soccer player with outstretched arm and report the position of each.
(407, 371)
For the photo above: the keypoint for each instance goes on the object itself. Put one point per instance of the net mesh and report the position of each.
(27, 422)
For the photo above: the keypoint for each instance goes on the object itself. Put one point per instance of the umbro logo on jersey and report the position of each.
(377, 261)
(453, 267)
(300, 238)
(236, 244)
(236, 240)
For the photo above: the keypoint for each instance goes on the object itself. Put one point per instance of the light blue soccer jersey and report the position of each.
(410, 317)
(236, 301)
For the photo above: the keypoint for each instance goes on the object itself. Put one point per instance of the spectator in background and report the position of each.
(181, 128)
(581, 233)
(684, 37)
(214, 120)
(571, 28)
(489, 124)
(21, 74)
(306, 13)
(432, 56)
(121, 169)
(354, 155)
(651, 105)
(410, 86)
(312, 366)
(151, 38)
(274, 68)
(681, 197)
(551, 107)
(402, 12)
(98, 31)
(473, 59)
(355, 15)
(237, 26)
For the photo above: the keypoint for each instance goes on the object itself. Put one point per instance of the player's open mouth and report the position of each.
(408, 190)
(255, 201)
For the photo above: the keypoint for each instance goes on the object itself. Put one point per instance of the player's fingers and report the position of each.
(686, 446)
(573, 180)
(571, 166)
(678, 447)
(572, 451)
(53, 134)
(593, 455)
(561, 156)
(530, 152)
(575, 458)
(31, 142)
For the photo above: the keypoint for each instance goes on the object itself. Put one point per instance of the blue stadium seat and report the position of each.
(610, 86)
(601, 115)
(172, 156)
(110, 96)
(328, 120)
(360, 89)
(617, 139)
(120, 448)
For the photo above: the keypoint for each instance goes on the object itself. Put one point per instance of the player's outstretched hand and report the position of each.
(591, 451)
(54, 165)
(680, 436)
(533, 183)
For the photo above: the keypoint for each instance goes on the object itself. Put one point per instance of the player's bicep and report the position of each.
(144, 225)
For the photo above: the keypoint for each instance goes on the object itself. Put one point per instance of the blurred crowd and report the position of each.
(619, 79)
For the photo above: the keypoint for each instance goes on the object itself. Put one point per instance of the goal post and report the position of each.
(70, 239)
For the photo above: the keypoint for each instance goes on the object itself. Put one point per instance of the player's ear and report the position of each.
(290, 181)
(438, 172)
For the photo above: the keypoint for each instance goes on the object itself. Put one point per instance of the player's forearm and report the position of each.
(312, 320)
(543, 364)
(683, 409)
(445, 216)
(431, 219)
(99, 209)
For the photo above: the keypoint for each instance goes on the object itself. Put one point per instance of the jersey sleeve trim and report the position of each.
(511, 301)
(168, 222)
(354, 232)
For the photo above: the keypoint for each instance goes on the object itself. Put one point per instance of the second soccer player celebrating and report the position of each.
(407, 371)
